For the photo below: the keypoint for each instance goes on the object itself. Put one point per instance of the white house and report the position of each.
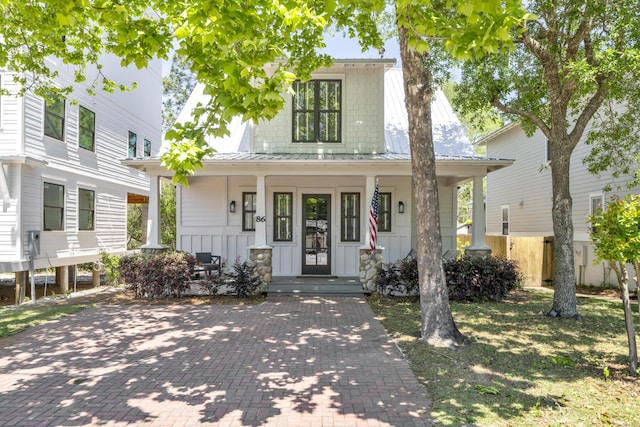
(60, 173)
(299, 187)
(519, 198)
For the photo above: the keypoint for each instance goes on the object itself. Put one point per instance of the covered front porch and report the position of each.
(234, 206)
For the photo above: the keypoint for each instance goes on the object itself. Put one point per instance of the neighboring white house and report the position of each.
(60, 170)
(300, 185)
(519, 198)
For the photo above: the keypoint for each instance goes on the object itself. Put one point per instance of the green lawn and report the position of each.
(14, 320)
(521, 367)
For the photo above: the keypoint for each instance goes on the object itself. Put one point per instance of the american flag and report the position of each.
(373, 220)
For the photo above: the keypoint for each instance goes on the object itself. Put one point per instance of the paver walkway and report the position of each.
(286, 362)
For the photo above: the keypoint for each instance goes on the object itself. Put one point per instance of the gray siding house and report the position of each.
(519, 198)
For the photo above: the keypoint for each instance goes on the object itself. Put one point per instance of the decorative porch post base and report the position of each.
(153, 250)
(478, 252)
(370, 266)
(260, 259)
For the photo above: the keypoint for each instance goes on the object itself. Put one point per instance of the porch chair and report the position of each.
(208, 262)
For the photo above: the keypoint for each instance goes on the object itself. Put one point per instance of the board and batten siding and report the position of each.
(205, 224)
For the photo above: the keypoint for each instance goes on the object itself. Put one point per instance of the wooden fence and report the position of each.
(533, 254)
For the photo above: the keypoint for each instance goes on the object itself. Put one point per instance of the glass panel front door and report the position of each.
(316, 254)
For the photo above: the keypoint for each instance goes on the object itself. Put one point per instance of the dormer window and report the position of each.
(317, 106)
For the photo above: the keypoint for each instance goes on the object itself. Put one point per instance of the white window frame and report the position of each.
(506, 208)
(594, 196)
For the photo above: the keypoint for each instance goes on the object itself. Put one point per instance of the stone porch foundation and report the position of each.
(370, 266)
(260, 259)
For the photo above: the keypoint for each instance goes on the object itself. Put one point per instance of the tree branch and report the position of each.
(582, 33)
(589, 110)
(523, 113)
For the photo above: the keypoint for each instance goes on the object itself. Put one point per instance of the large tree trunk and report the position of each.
(438, 327)
(564, 297)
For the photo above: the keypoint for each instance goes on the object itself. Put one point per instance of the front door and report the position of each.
(316, 244)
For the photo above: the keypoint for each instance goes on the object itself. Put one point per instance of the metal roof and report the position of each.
(390, 157)
(449, 137)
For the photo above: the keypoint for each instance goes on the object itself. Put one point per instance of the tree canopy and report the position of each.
(228, 45)
(574, 62)
(615, 232)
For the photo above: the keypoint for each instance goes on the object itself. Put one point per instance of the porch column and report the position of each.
(478, 227)
(261, 212)
(153, 220)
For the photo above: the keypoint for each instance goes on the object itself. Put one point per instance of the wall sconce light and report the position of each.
(400, 207)
(232, 206)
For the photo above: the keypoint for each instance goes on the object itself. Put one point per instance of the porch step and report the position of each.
(316, 286)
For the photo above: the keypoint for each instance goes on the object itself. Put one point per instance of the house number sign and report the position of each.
(261, 219)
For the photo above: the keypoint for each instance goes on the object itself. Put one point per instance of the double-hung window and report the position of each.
(282, 217)
(350, 217)
(133, 144)
(505, 219)
(54, 117)
(147, 148)
(87, 129)
(384, 212)
(86, 209)
(248, 211)
(596, 204)
(53, 207)
(317, 114)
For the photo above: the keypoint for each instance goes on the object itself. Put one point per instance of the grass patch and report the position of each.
(14, 320)
(521, 367)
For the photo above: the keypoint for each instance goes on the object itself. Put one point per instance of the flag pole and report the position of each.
(373, 220)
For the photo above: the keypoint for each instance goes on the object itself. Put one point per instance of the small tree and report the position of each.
(616, 235)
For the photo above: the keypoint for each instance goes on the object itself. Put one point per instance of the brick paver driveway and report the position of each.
(286, 362)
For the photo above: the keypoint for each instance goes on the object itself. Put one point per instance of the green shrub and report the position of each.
(469, 278)
(157, 276)
(396, 279)
(473, 278)
(213, 282)
(109, 264)
(243, 281)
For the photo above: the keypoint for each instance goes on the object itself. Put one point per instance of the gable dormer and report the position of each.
(339, 111)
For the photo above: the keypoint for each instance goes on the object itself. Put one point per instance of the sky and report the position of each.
(345, 48)
(342, 48)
